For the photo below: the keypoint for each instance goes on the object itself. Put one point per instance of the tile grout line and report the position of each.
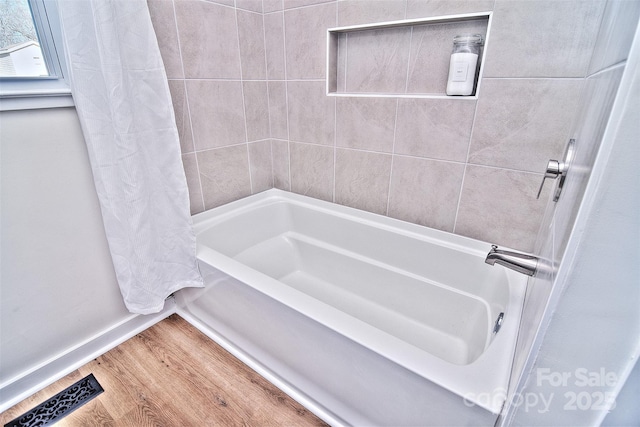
(346, 60)
(244, 104)
(286, 96)
(408, 156)
(229, 79)
(335, 121)
(393, 156)
(406, 81)
(266, 75)
(186, 94)
(464, 171)
(335, 150)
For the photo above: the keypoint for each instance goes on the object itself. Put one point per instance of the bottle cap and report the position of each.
(475, 39)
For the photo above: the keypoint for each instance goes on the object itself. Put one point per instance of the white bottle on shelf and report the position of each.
(464, 64)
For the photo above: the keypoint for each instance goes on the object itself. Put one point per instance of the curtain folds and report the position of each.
(121, 93)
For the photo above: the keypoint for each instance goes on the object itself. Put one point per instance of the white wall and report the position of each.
(58, 287)
(627, 411)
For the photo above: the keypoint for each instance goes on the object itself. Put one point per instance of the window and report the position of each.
(32, 68)
(20, 53)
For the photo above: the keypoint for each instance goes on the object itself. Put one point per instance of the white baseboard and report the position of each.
(17, 389)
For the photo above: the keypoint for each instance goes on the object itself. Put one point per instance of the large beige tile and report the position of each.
(616, 34)
(181, 111)
(500, 207)
(208, 39)
(596, 104)
(272, 6)
(256, 106)
(543, 38)
(431, 47)
(251, 42)
(353, 12)
(289, 4)
(434, 128)
(365, 123)
(224, 2)
(274, 44)
(311, 112)
(217, 113)
(306, 40)
(224, 174)
(312, 169)
(280, 153)
(252, 5)
(190, 165)
(362, 180)
(278, 110)
(164, 25)
(377, 60)
(427, 8)
(535, 303)
(261, 166)
(425, 191)
(522, 123)
(544, 237)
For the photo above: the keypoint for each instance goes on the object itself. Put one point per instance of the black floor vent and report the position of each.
(60, 405)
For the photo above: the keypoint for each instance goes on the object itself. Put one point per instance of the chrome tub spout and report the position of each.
(522, 263)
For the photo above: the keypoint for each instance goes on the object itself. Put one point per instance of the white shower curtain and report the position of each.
(122, 97)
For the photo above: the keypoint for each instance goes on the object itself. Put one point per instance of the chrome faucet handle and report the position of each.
(554, 168)
(557, 169)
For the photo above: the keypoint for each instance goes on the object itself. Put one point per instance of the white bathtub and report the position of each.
(363, 318)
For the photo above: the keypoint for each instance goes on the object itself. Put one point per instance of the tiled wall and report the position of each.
(248, 82)
(215, 60)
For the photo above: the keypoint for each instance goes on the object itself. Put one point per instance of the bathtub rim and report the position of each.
(483, 382)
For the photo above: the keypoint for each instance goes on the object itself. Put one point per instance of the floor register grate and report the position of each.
(60, 405)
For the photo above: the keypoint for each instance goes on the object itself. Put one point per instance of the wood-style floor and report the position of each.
(173, 375)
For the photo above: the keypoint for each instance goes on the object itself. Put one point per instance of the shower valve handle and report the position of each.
(559, 169)
(554, 169)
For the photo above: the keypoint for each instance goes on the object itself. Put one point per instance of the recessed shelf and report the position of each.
(402, 59)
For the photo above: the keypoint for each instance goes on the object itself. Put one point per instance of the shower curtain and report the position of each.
(122, 97)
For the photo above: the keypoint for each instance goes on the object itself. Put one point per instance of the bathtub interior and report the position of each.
(435, 295)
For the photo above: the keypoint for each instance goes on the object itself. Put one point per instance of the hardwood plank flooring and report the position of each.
(173, 375)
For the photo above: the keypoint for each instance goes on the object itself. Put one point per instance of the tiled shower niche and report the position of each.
(407, 58)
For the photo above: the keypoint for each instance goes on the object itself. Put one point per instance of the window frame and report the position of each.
(53, 91)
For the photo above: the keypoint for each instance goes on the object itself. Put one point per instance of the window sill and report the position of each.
(32, 100)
